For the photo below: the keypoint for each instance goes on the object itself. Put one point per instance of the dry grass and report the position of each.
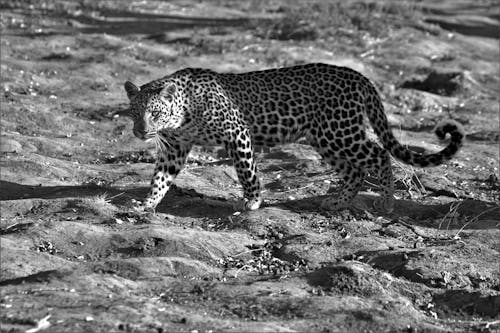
(452, 216)
(99, 205)
(410, 180)
(472, 221)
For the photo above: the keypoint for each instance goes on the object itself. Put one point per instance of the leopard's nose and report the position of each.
(139, 133)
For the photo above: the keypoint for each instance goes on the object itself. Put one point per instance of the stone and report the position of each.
(10, 146)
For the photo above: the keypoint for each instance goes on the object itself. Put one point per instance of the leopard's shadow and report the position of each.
(189, 203)
(178, 201)
(483, 214)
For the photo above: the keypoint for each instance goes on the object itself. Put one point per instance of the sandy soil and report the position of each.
(76, 258)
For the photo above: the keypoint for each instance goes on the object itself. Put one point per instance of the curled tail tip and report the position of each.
(452, 127)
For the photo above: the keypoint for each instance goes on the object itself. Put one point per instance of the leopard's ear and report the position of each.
(168, 91)
(131, 89)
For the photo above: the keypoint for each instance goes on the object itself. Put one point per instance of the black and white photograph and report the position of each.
(249, 166)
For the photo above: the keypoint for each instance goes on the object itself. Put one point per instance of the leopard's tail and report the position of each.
(378, 120)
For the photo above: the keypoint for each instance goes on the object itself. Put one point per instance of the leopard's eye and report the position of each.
(155, 114)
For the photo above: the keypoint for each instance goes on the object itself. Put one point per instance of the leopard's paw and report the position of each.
(246, 204)
(142, 207)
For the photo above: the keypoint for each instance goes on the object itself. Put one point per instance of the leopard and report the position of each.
(327, 105)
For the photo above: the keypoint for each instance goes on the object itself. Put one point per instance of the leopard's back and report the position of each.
(283, 104)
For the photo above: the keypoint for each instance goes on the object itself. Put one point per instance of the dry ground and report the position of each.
(75, 256)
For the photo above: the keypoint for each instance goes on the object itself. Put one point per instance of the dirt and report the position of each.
(75, 256)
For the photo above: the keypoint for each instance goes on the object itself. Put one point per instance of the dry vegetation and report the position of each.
(75, 256)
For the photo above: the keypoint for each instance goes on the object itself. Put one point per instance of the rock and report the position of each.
(290, 29)
(444, 83)
(172, 37)
(471, 25)
(10, 146)
(30, 148)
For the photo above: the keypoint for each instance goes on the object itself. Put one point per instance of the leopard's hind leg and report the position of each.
(368, 157)
(352, 176)
(379, 163)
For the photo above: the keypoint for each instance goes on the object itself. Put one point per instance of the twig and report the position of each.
(247, 251)
(451, 213)
(490, 323)
(295, 189)
(418, 182)
(242, 268)
(41, 325)
(116, 195)
(411, 227)
(372, 184)
(474, 219)
(16, 226)
(231, 176)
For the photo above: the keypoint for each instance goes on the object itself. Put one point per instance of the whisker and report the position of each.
(157, 145)
(162, 142)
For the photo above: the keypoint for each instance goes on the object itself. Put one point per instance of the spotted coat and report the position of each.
(325, 104)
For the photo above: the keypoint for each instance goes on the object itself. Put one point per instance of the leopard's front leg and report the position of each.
(169, 163)
(241, 151)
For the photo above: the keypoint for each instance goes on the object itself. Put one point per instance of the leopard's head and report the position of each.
(153, 108)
